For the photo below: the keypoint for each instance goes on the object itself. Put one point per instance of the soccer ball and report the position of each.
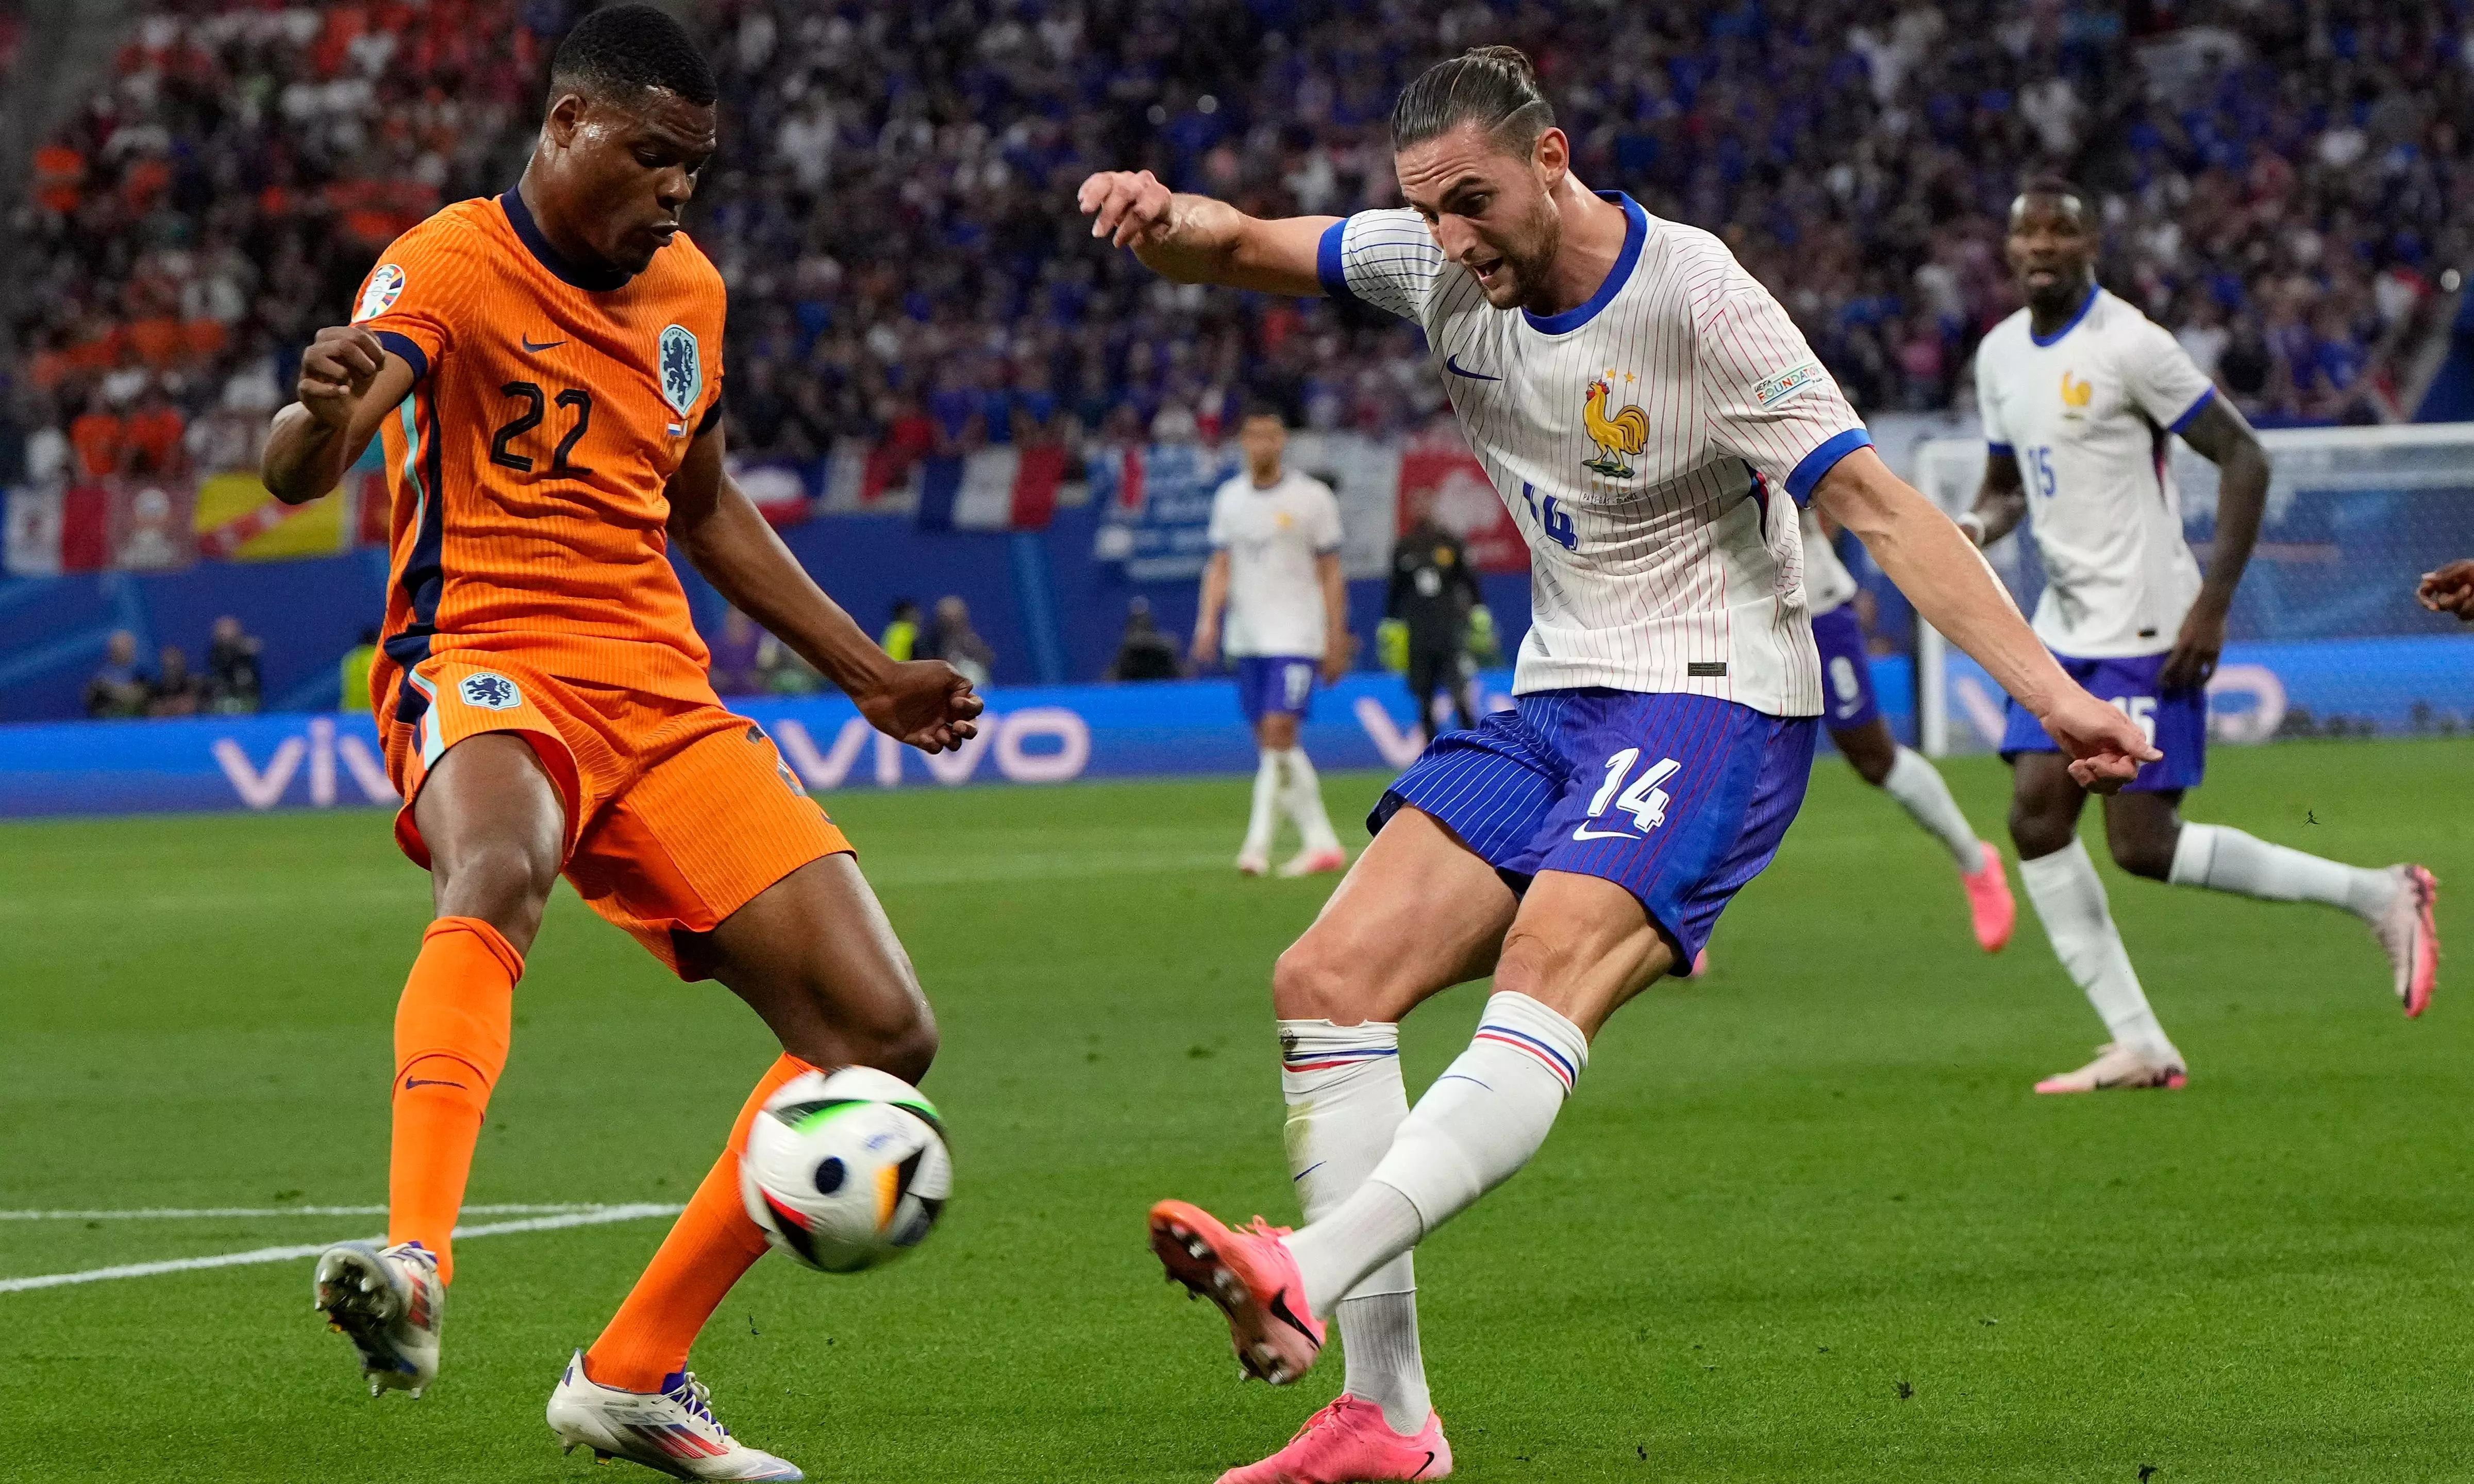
(846, 1171)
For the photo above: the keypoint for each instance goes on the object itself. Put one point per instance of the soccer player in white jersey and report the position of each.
(1853, 716)
(1276, 571)
(2080, 393)
(1649, 414)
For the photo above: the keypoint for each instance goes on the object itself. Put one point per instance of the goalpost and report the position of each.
(2325, 637)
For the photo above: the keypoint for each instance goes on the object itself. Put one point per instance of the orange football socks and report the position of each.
(451, 1044)
(713, 1243)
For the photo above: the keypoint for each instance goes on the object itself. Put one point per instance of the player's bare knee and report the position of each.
(1317, 979)
(1870, 760)
(2144, 851)
(501, 882)
(2037, 829)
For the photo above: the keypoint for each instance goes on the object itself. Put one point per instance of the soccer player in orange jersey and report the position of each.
(544, 368)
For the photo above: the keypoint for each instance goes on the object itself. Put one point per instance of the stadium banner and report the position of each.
(1156, 501)
(2389, 688)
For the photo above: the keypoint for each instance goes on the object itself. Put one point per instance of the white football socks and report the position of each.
(2069, 897)
(1918, 786)
(1305, 806)
(1263, 822)
(1345, 1100)
(1480, 1122)
(2228, 860)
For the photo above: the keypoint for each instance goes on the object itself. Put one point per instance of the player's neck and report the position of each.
(1264, 478)
(554, 230)
(2048, 318)
(1594, 229)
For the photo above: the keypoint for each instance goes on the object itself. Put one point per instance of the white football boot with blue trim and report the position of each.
(389, 1303)
(671, 1431)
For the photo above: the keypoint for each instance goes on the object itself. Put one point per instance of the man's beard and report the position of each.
(1529, 266)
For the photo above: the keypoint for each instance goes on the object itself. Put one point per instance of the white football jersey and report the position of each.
(2087, 414)
(1828, 585)
(1272, 537)
(1647, 443)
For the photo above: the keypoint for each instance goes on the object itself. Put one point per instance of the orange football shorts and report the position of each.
(678, 812)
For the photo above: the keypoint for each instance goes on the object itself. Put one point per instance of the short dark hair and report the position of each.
(1260, 406)
(631, 49)
(1495, 87)
(2060, 188)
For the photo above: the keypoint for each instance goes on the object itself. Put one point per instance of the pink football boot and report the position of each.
(1346, 1441)
(1989, 901)
(1252, 1279)
(2409, 932)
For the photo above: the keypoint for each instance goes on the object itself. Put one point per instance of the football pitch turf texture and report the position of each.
(1803, 1220)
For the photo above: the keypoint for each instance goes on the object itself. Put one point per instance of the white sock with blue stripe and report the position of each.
(1346, 1101)
(1480, 1122)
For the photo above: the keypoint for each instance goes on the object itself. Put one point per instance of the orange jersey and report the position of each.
(529, 467)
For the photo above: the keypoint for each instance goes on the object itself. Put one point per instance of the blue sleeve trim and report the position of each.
(413, 355)
(711, 415)
(1821, 461)
(2002, 450)
(2193, 410)
(1328, 267)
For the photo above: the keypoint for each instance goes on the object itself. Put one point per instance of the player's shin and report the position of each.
(1480, 1122)
(452, 1029)
(2223, 859)
(2069, 898)
(1345, 1100)
(1918, 787)
(1263, 821)
(1305, 803)
(711, 1246)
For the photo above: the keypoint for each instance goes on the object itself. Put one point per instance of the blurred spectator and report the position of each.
(956, 642)
(358, 660)
(734, 655)
(1145, 651)
(232, 684)
(152, 435)
(901, 636)
(118, 688)
(174, 690)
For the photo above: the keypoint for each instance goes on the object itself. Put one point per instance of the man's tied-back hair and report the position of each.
(627, 50)
(1495, 87)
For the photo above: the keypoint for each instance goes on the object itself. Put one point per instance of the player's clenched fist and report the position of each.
(2449, 590)
(1129, 207)
(339, 367)
(2107, 747)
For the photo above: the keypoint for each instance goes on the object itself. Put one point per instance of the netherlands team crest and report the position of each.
(490, 691)
(682, 366)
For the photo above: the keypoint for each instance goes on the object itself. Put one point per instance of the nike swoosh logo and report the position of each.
(1584, 832)
(550, 344)
(1279, 1307)
(1452, 363)
(410, 1083)
(1420, 1472)
(1308, 1170)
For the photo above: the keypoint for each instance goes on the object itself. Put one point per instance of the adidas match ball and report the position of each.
(847, 1170)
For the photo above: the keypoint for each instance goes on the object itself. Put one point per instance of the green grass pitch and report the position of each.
(1801, 1221)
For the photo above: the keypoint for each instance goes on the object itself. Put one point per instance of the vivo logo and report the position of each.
(1041, 744)
(263, 788)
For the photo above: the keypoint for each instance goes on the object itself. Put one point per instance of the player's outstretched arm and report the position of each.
(2225, 440)
(347, 383)
(926, 703)
(1942, 573)
(1194, 239)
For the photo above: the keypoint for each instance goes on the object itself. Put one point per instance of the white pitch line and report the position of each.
(597, 1216)
(215, 1212)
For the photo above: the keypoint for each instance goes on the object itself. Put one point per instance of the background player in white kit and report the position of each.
(1276, 571)
(2079, 394)
(1647, 411)
(1853, 715)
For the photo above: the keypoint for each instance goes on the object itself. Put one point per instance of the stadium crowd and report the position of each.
(2283, 181)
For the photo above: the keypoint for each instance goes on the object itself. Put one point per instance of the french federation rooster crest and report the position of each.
(1621, 434)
